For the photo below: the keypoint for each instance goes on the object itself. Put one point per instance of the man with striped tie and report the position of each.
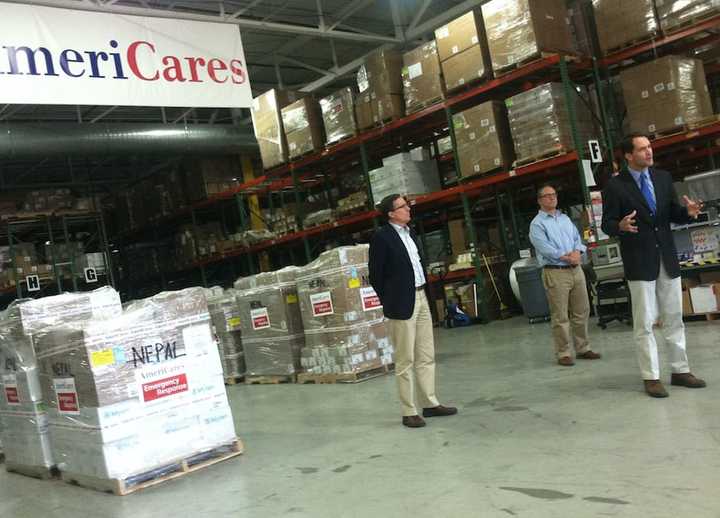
(638, 206)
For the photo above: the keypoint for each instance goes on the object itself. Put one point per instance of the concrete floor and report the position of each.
(532, 439)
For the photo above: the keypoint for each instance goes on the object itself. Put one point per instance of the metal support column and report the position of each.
(365, 163)
(108, 253)
(66, 234)
(197, 251)
(513, 222)
(51, 248)
(509, 256)
(479, 278)
(13, 266)
(244, 225)
(299, 213)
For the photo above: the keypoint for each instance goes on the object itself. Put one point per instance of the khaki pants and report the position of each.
(569, 308)
(415, 357)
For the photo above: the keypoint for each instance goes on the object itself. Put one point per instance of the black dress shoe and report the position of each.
(413, 421)
(439, 411)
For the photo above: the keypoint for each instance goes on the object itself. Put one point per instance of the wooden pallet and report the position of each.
(234, 380)
(537, 56)
(689, 22)
(632, 43)
(302, 155)
(28, 215)
(425, 104)
(709, 317)
(544, 156)
(350, 377)
(340, 140)
(40, 472)
(685, 128)
(122, 487)
(269, 380)
(383, 122)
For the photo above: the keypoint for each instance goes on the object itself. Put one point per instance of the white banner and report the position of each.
(63, 56)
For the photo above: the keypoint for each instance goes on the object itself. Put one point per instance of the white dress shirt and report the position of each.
(412, 250)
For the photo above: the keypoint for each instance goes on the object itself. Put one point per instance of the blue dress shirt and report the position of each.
(554, 235)
(636, 177)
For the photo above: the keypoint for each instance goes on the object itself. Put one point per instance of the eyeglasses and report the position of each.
(401, 207)
(548, 195)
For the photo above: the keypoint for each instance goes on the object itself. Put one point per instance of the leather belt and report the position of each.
(560, 267)
(420, 288)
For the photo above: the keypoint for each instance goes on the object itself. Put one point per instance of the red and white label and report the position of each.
(165, 387)
(321, 304)
(11, 390)
(260, 318)
(66, 394)
(370, 299)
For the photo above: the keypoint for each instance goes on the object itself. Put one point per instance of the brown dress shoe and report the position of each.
(566, 361)
(413, 421)
(654, 388)
(439, 411)
(687, 380)
(589, 355)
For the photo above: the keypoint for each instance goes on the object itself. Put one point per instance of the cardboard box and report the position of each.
(665, 93)
(422, 78)
(338, 112)
(267, 122)
(384, 72)
(686, 303)
(460, 34)
(705, 298)
(464, 68)
(483, 139)
(363, 111)
(386, 107)
(675, 13)
(456, 228)
(302, 121)
(517, 30)
(619, 22)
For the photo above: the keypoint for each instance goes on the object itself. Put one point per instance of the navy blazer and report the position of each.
(391, 272)
(643, 251)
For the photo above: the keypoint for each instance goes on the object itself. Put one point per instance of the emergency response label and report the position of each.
(321, 304)
(66, 394)
(370, 299)
(260, 318)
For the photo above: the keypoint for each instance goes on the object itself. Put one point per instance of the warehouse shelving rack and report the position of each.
(427, 124)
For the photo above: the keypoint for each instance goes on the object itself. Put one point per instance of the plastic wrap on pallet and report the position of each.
(518, 30)
(267, 123)
(620, 23)
(271, 322)
(677, 13)
(665, 93)
(23, 419)
(303, 126)
(319, 217)
(338, 111)
(225, 317)
(422, 79)
(342, 315)
(540, 123)
(136, 392)
(403, 175)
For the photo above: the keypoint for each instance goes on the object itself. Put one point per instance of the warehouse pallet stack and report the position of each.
(272, 325)
(137, 398)
(346, 338)
(225, 317)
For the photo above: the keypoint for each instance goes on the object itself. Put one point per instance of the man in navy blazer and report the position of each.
(638, 206)
(397, 275)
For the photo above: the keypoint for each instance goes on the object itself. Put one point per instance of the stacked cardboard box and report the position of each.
(267, 121)
(193, 242)
(462, 50)
(422, 78)
(352, 202)
(48, 200)
(211, 176)
(342, 315)
(303, 125)
(338, 111)
(225, 317)
(620, 23)
(402, 175)
(148, 381)
(281, 221)
(675, 14)
(519, 30)
(540, 123)
(483, 139)
(665, 93)
(319, 217)
(381, 89)
(271, 322)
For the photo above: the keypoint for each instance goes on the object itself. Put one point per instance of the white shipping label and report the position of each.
(484, 122)
(659, 87)
(293, 146)
(644, 94)
(670, 86)
(197, 338)
(651, 128)
(66, 395)
(415, 70)
(679, 120)
(497, 161)
(259, 318)
(370, 299)
(321, 304)
(474, 40)
(461, 81)
(492, 129)
(476, 168)
(442, 33)
(12, 397)
(455, 49)
(471, 135)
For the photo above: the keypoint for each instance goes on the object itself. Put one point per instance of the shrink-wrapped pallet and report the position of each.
(225, 318)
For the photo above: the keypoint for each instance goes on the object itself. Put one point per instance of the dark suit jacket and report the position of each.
(391, 273)
(642, 252)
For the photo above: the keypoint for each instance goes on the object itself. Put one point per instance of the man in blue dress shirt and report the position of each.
(559, 252)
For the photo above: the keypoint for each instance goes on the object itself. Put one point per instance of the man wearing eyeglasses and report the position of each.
(397, 275)
(559, 252)
(638, 206)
